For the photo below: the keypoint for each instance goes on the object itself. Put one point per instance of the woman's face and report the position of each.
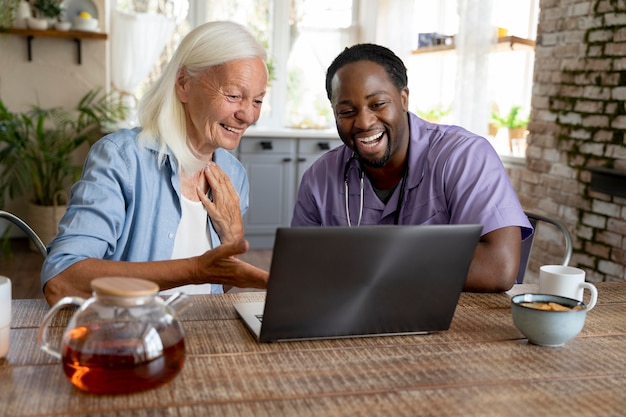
(221, 103)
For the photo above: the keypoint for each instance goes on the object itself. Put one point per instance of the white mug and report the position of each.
(5, 315)
(566, 281)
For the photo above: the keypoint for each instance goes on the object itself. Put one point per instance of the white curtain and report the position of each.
(137, 40)
(475, 38)
(383, 20)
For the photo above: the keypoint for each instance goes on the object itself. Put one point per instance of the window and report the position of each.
(320, 30)
(302, 38)
(464, 87)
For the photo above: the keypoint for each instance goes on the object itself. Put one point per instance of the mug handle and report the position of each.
(42, 336)
(594, 294)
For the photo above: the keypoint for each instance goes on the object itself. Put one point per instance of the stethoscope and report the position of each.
(346, 170)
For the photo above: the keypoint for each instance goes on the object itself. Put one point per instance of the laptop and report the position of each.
(336, 282)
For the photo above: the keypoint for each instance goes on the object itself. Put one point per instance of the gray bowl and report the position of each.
(545, 327)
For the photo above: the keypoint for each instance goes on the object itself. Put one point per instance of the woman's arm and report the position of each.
(218, 266)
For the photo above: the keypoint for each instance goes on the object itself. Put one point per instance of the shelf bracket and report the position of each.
(78, 51)
(29, 41)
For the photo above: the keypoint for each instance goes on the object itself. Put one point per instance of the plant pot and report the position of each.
(493, 130)
(516, 133)
(37, 24)
(44, 220)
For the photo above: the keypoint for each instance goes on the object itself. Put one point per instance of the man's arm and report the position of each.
(496, 261)
(217, 266)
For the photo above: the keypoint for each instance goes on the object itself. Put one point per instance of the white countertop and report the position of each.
(265, 132)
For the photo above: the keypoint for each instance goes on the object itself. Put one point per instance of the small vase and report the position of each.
(22, 14)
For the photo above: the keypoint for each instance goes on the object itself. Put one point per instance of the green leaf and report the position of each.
(36, 146)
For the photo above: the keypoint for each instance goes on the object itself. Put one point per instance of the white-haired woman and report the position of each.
(164, 201)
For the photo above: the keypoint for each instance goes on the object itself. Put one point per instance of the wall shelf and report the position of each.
(76, 35)
(505, 43)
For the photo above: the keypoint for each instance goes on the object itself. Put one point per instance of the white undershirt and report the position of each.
(192, 239)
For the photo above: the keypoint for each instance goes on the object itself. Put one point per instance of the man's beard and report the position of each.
(378, 163)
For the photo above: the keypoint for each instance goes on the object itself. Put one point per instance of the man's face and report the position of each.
(370, 112)
(221, 103)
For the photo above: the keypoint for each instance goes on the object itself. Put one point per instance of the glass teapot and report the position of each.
(123, 339)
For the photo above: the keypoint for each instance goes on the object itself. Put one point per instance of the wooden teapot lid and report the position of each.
(124, 287)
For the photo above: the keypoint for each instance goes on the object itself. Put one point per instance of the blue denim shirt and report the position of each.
(126, 206)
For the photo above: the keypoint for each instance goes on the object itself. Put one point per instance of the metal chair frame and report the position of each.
(527, 244)
(26, 229)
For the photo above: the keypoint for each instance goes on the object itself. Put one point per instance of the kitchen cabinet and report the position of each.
(275, 165)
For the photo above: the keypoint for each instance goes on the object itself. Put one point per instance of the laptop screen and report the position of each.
(330, 282)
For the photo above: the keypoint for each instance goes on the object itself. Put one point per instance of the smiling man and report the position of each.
(395, 168)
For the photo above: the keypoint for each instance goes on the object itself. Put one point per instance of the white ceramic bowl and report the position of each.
(88, 25)
(37, 24)
(63, 26)
(545, 327)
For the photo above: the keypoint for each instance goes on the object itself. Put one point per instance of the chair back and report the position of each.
(26, 229)
(527, 245)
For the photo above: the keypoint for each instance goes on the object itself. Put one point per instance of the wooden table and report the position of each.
(481, 366)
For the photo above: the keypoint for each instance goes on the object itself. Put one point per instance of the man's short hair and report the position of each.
(395, 68)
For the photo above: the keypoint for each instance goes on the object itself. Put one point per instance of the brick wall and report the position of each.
(578, 121)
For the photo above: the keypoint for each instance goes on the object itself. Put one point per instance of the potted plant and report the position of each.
(514, 121)
(50, 10)
(434, 114)
(37, 148)
(8, 10)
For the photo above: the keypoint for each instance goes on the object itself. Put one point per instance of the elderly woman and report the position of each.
(164, 202)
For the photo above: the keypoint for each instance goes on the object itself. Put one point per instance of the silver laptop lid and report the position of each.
(341, 282)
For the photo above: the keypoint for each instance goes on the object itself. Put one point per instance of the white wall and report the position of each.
(53, 77)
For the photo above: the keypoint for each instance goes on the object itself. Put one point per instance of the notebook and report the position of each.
(334, 282)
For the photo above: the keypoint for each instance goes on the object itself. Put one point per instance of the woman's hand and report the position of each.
(223, 206)
(221, 266)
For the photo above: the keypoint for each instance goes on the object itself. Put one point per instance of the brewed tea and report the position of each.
(109, 358)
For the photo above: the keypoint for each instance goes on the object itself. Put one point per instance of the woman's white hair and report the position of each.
(161, 115)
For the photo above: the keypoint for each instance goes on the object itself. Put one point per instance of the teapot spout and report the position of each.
(178, 302)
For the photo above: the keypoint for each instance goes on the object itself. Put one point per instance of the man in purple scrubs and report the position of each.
(395, 168)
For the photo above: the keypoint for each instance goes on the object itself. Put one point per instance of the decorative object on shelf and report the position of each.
(85, 22)
(36, 147)
(37, 23)
(514, 122)
(73, 8)
(425, 40)
(9, 10)
(63, 26)
(48, 9)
